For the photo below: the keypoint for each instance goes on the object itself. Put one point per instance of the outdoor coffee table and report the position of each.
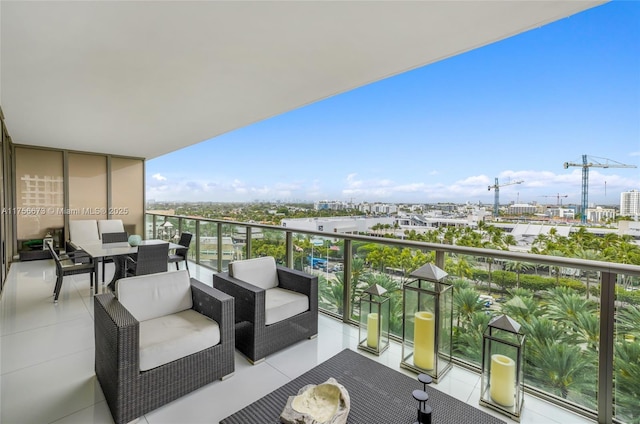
(378, 395)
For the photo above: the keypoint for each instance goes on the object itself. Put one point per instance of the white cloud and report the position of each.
(538, 186)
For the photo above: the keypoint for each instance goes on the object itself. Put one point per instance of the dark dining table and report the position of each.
(119, 251)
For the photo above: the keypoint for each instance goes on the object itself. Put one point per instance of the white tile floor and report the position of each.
(47, 361)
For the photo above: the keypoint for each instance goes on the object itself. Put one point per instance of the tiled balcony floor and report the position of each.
(47, 361)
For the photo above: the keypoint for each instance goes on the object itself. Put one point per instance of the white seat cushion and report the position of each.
(110, 226)
(83, 231)
(171, 337)
(281, 304)
(154, 295)
(260, 272)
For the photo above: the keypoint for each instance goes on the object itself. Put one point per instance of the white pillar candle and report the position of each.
(502, 381)
(424, 340)
(372, 330)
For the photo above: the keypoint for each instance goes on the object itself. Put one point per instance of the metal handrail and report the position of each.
(591, 265)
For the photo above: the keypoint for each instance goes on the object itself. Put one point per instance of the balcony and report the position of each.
(48, 375)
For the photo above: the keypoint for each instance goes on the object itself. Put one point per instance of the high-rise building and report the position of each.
(630, 203)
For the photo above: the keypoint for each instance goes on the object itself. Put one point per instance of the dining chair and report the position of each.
(150, 259)
(107, 238)
(181, 254)
(65, 265)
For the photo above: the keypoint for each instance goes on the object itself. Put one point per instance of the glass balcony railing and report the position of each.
(581, 317)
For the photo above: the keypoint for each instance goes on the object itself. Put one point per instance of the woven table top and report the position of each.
(379, 395)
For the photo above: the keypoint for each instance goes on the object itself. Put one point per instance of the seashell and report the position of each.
(326, 403)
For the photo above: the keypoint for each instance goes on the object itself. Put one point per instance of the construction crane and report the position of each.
(496, 198)
(558, 196)
(592, 162)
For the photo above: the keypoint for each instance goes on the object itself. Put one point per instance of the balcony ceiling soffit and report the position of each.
(146, 78)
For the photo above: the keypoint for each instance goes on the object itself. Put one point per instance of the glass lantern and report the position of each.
(373, 330)
(502, 384)
(427, 325)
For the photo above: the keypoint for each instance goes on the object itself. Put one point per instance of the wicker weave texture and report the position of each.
(151, 259)
(257, 340)
(131, 393)
(379, 395)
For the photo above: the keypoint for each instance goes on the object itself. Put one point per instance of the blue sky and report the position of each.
(514, 110)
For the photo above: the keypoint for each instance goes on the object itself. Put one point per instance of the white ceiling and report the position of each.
(146, 78)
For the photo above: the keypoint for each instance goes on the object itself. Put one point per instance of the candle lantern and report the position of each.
(374, 320)
(502, 383)
(427, 325)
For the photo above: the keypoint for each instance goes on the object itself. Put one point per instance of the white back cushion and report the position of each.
(260, 272)
(110, 226)
(155, 295)
(83, 231)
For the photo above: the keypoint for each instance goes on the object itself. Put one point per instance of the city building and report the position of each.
(331, 205)
(600, 214)
(523, 209)
(561, 213)
(630, 203)
(377, 208)
(340, 225)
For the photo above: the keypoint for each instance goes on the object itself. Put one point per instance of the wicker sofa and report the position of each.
(136, 376)
(266, 319)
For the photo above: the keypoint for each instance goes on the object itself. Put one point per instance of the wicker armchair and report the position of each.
(261, 329)
(119, 340)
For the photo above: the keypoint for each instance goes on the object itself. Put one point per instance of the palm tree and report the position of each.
(459, 267)
(465, 304)
(566, 304)
(557, 269)
(588, 254)
(562, 368)
(510, 240)
(521, 308)
(586, 328)
(468, 341)
(628, 321)
(627, 381)
(331, 294)
(517, 267)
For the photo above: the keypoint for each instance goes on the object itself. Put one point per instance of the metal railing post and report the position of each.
(440, 256)
(198, 241)
(248, 242)
(606, 349)
(219, 247)
(346, 301)
(288, 254)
